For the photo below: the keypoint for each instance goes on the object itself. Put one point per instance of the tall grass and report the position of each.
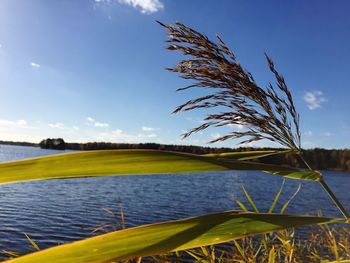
(267, 113)
(316, 244)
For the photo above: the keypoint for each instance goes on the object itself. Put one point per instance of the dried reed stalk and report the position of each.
(267, 113)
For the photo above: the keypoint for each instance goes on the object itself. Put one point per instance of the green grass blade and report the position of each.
(272, 255)
(196, 257)
(250, 200)
(240, 249)
(248, 155)
(120, 162)
(34, 245)
(309, 175)
(170, 236)
(275, 200)
(286, 204)
(242, 206)
(340, 261)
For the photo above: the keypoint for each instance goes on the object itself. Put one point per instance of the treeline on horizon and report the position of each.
(321, 159)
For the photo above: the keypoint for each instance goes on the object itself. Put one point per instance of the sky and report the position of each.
(94, 70)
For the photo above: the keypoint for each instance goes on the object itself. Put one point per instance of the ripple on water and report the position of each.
(57, 211)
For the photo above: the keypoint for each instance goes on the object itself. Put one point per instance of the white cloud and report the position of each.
(101, 124)
(236, 126)
(34, 65)
(20, 137)
(97, 123)
(118, 131)
(14, 124)
(57, 125)
(147, 129)
(19, 130)
(215, 135)
(90, 119)
(314, 99)
(317, 134)
(120, 136)
(61, 127)
(308, 133)
(146, 6)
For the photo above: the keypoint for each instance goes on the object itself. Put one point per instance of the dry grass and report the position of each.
(268, 113)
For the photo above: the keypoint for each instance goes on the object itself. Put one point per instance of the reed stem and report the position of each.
(334, 198)
(328, 191)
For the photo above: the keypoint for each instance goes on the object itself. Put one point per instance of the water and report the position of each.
(57, 211)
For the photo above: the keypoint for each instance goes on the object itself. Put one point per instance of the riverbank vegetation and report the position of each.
(317, 243)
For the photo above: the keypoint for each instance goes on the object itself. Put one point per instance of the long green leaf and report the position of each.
(120, 162)
(275, 200)
(248, 155)
(170, 236)
(309, 175)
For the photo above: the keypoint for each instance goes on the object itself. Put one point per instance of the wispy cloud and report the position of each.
(118, 132)
(314, 99)
(147, 129)
(101, 124)
(15, 124)
(34, 65)
(97, 123)
(308, 133)
(327, 134)
(215, 135)
(66, 129)
(57, 125)
(145, 6)
(317, 134)
(121, 136)
(236, 126)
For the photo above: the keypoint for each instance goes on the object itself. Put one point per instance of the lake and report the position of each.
(56, 211)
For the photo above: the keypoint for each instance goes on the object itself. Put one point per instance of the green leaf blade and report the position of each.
(102, 163)
(170, 236)
(247, 155)
(119, 162)
(308, 175)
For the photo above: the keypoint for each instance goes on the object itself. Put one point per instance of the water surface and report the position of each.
(57, 211)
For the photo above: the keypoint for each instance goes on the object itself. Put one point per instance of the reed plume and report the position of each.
(266, 113)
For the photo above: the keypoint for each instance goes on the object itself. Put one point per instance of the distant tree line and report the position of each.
(151, 146)
(56, 144)
(322, 159)
(18, 143)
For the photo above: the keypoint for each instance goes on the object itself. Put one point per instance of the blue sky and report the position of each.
(94, 70)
